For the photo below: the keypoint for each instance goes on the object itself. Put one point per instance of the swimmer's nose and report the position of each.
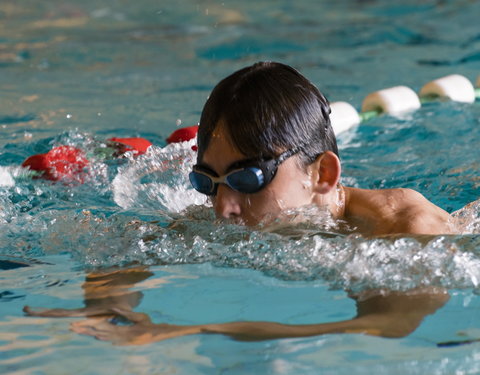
(227, 203)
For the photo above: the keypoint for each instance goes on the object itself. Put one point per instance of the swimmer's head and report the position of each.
(268, 108)
(265, 144)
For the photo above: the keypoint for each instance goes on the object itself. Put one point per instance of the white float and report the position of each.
(454, 87)
(343, 116)
(394, 101)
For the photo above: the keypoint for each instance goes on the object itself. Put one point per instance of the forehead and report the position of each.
(221, 152)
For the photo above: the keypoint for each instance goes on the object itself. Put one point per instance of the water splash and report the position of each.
(344, 262)
(6, 179)
(143, 210)
(158, 180)
(468, 218)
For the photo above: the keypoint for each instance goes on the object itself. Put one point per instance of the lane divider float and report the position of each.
(399, 100)
(69, 163)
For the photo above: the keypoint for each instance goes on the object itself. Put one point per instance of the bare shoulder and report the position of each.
(395, 211)
(407, 198)
(415, 214)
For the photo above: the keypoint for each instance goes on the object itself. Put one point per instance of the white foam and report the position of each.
(124, 191)
(6, 179)
(168, 187)
(467, 219)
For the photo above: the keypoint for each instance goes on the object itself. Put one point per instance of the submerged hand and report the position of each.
(142, 331)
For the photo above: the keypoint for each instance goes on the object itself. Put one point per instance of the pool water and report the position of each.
(78, 73)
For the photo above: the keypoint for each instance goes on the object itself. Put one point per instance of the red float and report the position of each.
(60, 163)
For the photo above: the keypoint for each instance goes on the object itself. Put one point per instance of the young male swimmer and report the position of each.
(265, 130)
(265, 144)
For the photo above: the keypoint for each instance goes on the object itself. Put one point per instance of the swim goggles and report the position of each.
(245, 176)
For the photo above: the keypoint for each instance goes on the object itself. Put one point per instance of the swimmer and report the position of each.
(265, 130)
(265, 145)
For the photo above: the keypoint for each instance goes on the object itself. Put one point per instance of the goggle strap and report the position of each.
(285, 155)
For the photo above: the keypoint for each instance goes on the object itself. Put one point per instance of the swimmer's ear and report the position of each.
(326, 170)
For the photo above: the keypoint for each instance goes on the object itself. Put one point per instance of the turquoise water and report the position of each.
(79, 72)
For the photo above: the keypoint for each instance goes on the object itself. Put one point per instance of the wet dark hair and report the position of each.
(268, 108)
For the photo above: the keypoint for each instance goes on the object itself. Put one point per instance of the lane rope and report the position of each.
(398, 100)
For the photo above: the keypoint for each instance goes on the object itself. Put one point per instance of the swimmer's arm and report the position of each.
(145, 332)
(254, 331)
(394, 315)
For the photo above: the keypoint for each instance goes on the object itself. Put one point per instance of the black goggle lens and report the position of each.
(248, 180)
(202, 183)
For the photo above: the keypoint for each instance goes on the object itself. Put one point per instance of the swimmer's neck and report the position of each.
(335, 201)
(352, 212)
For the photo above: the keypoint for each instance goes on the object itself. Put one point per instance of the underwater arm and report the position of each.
(393, 315)
(143, 331)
